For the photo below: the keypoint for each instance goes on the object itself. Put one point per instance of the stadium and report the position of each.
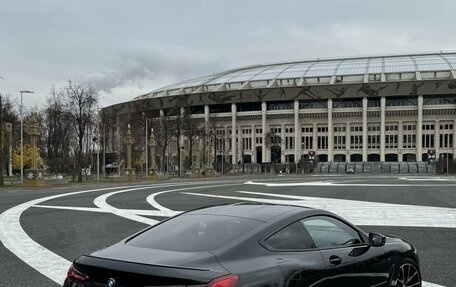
(358, 111)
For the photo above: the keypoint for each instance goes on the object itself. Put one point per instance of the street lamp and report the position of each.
(95, 140)
(104, 143)
(147, 149)
(147, 145)
(22, 137)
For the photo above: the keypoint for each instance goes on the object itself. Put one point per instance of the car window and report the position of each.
(329, 232)
(192, 233)
(292, 237)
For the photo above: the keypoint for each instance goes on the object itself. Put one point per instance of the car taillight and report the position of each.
(225, 281)
(75, 276)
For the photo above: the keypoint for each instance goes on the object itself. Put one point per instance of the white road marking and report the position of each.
(103, 205)
(328, 175)
(54, 267)
(151, 198)
(48, 263)
(428, 179)
(15, 239)
(157, 213)
(362, 212)
(428, 284)
(101, 202)
(327, 183)
(90, 209)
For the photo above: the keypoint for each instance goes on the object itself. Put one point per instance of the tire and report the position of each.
(407, 275)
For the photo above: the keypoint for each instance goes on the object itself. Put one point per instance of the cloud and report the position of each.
(134, 67)
(126, 49)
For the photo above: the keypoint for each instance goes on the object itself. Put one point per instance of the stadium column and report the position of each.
(252, 145)
(382, 128)
(165, 161)
(206, 131)
(330, 131)
(263, 129)
(437, 138)
(314, 137)
(233, 133)
(206, 116)
(347, 141)
(400, 141)
(365, 129)
(240, 144)
(225, 143)
(282, 144)
(454, 139)
(297, 132)
(419, 130)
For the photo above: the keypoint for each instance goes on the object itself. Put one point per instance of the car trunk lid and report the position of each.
(149, 267)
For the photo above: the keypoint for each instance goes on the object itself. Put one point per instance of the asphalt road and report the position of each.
(43, 230)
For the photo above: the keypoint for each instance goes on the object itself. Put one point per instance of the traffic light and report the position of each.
(311, 157)
(431, 156)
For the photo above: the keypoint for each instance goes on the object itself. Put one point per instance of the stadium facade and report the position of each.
(362, 109)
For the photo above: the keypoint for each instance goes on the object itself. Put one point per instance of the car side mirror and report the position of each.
(376, 240)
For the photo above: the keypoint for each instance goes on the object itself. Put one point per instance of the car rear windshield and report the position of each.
(192, 233)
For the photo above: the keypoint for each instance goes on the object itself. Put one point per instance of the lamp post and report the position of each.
(95, 140)
(147, 145)
(147, 148)
(104, 151)
(22, 137)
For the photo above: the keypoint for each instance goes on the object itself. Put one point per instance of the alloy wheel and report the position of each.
(408, 276)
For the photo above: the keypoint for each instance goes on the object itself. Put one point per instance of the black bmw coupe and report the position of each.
(251, 245)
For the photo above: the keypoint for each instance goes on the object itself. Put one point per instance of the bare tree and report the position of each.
(9, 115)
(192, 130)
(162, 129)
(273, 141)
(211, 135)
(57, 135)
(81, 103)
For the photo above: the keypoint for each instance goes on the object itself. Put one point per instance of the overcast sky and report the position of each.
(127, 48)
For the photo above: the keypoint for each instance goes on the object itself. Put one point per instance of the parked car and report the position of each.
(251, 245)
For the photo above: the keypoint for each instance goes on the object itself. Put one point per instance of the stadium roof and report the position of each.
(318, 72)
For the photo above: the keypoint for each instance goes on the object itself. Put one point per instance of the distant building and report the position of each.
(382, 108)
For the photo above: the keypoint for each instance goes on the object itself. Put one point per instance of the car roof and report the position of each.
(257, 211)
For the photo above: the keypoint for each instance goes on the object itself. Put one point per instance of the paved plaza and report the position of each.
(43, 230)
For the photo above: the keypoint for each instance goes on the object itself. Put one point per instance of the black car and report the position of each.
(251, 245)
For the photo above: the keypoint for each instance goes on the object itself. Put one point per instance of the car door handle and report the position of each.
(335, 260)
